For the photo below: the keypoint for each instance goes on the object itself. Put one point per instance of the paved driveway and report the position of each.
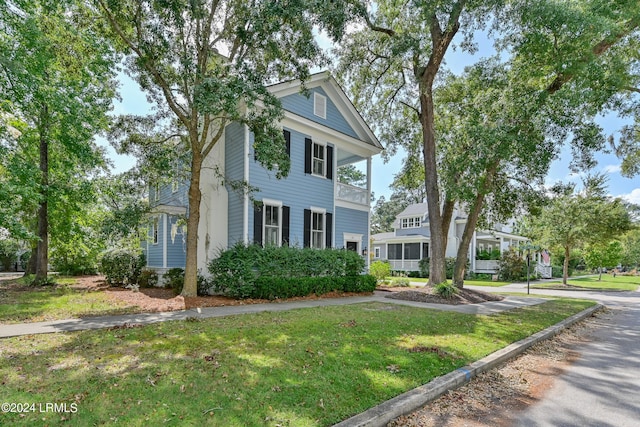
(602, 388)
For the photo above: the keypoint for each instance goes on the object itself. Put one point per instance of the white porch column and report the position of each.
(501, 245)
(245, 201)
(164, 240)
(474, 243)
(368, 242)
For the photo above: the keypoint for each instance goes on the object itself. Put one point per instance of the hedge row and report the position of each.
(283, 272)
(287, 287)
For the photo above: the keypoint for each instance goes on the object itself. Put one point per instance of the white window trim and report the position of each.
(156, 194)
(316, 98)
(323, 241)
(376, 252)
(274, 204)
(324, 160)
(415, 220)
(155, 230)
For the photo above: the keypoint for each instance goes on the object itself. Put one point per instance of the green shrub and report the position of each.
(256, 272)
(8, 254)
(512, 267)
(400, 282)
(269, 287)
(414, 274)
(479, 276)
(174, 279)
(380, 270)
(236, 270)
(122, 266)
(446, 290)
(148, 279)
(24, 259)
(78, 265)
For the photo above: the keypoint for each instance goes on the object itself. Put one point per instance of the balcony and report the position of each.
(352, 194)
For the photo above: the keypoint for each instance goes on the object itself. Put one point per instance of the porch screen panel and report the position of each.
(412, 251)
(395, 251)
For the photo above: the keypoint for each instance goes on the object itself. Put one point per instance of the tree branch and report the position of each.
(147, 63)
(599, 49)
(387, 31)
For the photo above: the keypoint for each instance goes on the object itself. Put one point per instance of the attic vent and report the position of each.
(320, 105)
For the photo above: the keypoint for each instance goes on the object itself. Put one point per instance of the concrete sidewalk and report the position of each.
(101, 322)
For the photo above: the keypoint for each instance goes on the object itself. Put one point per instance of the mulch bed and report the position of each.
(427, 294)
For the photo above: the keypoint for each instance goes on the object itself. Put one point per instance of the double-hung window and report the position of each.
(317, 230)
(272, 225)
(155, 222)
(318, 159)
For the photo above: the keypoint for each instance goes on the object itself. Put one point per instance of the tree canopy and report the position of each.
(206, 63)
(57, 82)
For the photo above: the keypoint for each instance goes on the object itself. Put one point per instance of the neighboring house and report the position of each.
(308, 208)
(409, 243)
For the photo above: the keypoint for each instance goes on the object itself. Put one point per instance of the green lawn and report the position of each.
(466, 282)
(608, 282)
(309, 367)
(55, 302)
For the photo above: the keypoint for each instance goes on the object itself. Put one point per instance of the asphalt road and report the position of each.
(602, 388)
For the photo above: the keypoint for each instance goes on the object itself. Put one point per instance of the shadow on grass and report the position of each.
(308, 367)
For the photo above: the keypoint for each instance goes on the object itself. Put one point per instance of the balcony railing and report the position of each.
(405, 264)
(350, 193)
(486, 265)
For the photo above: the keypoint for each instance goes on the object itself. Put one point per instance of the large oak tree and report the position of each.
(207, 62)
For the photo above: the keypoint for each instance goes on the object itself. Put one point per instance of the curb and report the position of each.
(411, 400)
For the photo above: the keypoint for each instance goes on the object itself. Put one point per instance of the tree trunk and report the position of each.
(565, 266)
(472, 221)
(30, 268)
(447, 215)
(42, 252)
(190, 288)
(437, 267)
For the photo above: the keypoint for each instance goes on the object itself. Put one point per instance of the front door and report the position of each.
(352, 246)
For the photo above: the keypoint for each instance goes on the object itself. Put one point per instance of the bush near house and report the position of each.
(174, 279)
(380, 270)
(513, 267)
(122, 266)
(283, 272)
(8, 254)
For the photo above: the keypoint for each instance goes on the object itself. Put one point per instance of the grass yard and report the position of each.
(466, 282)
(309, 367)
(39, 304)
(490, 283)
(618, 283)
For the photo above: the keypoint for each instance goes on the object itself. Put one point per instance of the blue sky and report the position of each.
(134, 102)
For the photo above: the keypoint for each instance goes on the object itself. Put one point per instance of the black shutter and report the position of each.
(308, 145)
(287, 142)
(329, 162)
(257, 224)
(285, 225)
(329, 230)
(307, 229)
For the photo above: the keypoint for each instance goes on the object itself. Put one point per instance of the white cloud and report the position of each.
(633, 197)
(611, 169)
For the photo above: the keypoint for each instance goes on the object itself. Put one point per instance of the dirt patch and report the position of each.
(496, 397)
(428, 294)
(161, 299)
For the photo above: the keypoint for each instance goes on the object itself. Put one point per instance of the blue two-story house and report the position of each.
(309, 208)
